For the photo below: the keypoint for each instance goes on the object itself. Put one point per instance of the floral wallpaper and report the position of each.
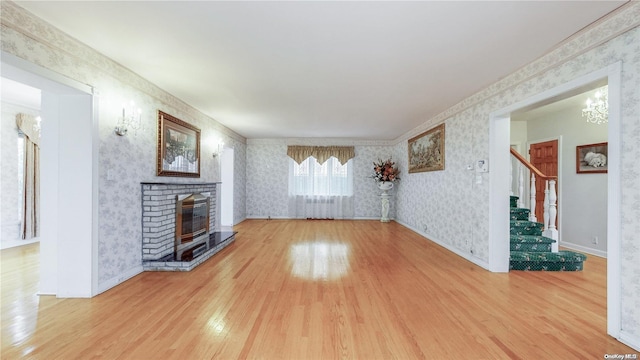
(268, 171)
(449, 206)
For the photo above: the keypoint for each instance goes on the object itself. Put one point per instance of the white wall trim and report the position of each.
(614, 203)
(584, 249)
(113, 282)
(499, 189)
(454, 250)
(630, 340)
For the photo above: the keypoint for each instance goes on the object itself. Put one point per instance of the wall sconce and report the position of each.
(130, 120)
(218, 148)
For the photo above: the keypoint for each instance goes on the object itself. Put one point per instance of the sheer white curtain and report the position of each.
(321, 191)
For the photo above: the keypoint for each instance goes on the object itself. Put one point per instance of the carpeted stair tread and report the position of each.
(546, 266)
(538, 239)
(519, 213)
(533, 243)
(513, 201)
(531, 247)
(525, 227)
(525, 223)
(546, 261)
(560, 256)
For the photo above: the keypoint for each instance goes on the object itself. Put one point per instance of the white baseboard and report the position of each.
(584, 249)
(241, 220)
(293, 218)
(469, 257)
(260, 217)
(104, 286)
(630, 340)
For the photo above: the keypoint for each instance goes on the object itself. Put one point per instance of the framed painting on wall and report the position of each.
(426, 151)
(591, 158)
(178, 147)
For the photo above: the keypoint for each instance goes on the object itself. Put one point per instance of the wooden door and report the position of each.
(544, 156)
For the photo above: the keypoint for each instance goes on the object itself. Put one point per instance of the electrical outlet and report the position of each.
(595, 240)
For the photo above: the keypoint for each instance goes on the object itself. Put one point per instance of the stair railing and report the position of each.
(550, 209)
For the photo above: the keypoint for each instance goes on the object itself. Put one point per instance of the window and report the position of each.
(329, 179)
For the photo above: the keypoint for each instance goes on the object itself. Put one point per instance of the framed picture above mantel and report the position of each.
(426, 151)
(178, 147)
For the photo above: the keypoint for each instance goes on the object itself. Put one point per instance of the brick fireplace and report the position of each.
(162, 248)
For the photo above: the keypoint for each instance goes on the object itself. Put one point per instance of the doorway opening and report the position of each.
(499, 178)
(68, 244)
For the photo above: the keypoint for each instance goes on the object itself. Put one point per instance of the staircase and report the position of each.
(531, 251)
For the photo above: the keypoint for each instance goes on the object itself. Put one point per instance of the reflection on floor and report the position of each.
(319, 260)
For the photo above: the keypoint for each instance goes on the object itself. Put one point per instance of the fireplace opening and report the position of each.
(192, 225)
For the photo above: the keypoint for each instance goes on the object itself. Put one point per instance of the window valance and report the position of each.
(27, 124)
(300, 153)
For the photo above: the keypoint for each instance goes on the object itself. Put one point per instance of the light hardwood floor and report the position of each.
(315, 290)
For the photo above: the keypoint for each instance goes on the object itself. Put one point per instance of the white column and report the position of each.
(384, 199)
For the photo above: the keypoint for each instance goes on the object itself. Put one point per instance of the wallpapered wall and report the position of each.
(268, 169)
(447, 206)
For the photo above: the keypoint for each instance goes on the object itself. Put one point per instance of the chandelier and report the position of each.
(597, 111)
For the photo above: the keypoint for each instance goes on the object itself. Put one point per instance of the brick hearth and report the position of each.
(158, 225)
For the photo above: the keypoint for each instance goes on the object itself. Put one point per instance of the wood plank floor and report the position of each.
(315, 290)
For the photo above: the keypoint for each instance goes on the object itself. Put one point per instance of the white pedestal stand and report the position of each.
(384, 199)
(385, 186)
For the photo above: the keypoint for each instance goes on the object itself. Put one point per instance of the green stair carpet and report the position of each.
(531, 251)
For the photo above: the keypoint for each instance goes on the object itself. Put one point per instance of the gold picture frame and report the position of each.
(178, 147)
(426, 151)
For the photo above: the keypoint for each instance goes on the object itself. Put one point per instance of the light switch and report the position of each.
(482, 166)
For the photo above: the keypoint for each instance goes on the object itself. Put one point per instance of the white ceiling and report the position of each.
(363, 70)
